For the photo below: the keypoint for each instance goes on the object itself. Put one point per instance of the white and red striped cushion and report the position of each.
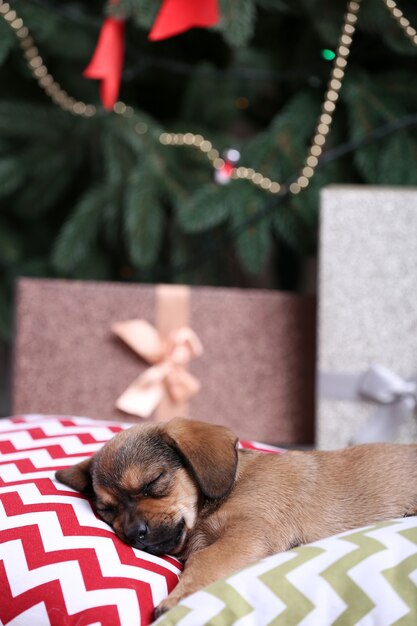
(59, 564)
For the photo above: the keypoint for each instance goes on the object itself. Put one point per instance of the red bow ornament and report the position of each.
(177, 16)
(168, 356)
(174, 17)
(107, 61)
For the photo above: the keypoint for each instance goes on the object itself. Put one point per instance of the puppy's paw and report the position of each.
(165, 606)
(160, 610)
(411, 511)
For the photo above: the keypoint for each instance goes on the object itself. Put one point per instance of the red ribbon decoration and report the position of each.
(174, 17)
(107, 61)
(177, 16)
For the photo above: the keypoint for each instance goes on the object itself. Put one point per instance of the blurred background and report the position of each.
(102, 198)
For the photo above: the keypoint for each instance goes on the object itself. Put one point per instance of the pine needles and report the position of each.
(102, 198)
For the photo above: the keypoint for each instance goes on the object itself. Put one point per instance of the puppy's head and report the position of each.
(148, 481)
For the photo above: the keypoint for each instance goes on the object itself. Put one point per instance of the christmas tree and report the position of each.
(130, 194)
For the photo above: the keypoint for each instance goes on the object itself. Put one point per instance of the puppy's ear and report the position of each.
(77, 476)
(208, 451)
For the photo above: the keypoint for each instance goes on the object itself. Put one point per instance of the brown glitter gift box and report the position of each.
(256, 371)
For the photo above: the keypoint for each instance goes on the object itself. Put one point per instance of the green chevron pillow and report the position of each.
(364, 577)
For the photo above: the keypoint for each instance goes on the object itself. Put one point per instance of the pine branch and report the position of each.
(10, 244)
(180, 172)
(199, 103)
(118, 157)
(11, 176)
(5, 313)
(254, 244)
(143, 217)
(326, 18)
(96, 264)
(7, 41)
(142, 11)
(54, 32)
(375, 19)
(370, 104)
(281, 6)
(289, 229)
(25, 121)
(237, 21)
(397, 158)
(207, 208)
(48, 175)
(279, 151)
(80, 234)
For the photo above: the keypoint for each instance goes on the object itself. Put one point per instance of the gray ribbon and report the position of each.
(395, 396)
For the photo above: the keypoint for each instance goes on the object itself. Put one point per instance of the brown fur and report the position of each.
(220, 509)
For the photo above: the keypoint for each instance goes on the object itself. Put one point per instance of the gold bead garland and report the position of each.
(319, 138)
(39, 69)
(404, 23)
(331, 97)
(76, 107)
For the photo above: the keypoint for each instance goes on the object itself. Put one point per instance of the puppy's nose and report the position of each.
(137, 531)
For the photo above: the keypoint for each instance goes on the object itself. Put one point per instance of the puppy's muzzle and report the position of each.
(159, 540)
(137, 532)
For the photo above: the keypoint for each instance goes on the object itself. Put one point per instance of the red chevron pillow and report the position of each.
(59, 564)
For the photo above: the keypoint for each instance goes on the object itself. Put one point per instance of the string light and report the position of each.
(328, 55)
(223, 174)
(79, 108)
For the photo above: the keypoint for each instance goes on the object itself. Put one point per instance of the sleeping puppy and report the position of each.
(183, 488)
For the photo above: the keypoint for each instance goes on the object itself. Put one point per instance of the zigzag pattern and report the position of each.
(365, 577)
(404, 581)
(59, 564)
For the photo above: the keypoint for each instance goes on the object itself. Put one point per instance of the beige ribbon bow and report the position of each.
(168, 356)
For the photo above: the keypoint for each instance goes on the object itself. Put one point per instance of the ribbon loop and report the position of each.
(382, 385)
(185, 345)
(181, 384)
(143, 338)
(168, 374)
(395, 396)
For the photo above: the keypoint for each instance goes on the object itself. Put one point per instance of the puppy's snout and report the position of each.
(137, 532)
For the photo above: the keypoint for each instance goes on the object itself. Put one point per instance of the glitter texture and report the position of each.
(368, 297)
(257, 370)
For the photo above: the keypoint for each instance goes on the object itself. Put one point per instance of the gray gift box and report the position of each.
(367, 322)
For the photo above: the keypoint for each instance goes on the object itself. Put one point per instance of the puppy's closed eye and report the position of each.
(105, 508)
(154, 487)
(106, 511)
